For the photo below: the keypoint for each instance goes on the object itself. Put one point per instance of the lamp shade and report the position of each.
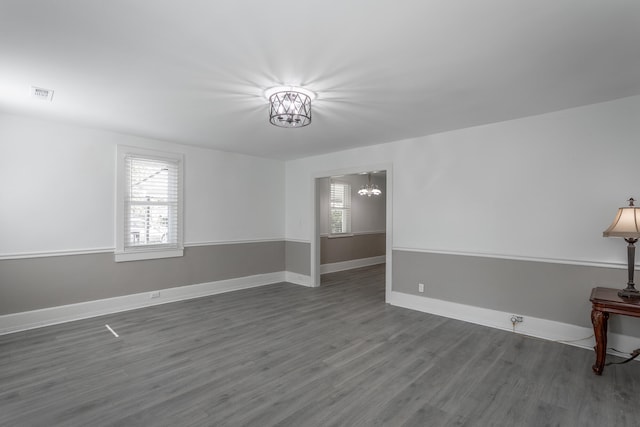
(626, 224)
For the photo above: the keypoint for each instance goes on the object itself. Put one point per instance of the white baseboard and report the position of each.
(16, 322)
(348, 265)
(297, 279)
(565, 333)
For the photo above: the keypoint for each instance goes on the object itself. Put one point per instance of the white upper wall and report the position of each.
(57, 190)
(544, 186)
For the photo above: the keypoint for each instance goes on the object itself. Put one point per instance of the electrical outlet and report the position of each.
(155, 294)
(420, 287)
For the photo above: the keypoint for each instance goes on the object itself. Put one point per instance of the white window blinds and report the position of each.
(149, 198)
(340, 208)
(151, 203)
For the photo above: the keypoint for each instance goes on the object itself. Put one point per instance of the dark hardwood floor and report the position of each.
(294, 356)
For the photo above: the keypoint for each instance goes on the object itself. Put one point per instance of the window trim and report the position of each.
(122, 254)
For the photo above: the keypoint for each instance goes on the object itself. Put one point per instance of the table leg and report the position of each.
(599, 320)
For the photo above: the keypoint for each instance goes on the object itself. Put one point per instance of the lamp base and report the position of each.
(629, 292)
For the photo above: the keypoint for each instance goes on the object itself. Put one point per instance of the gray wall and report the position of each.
(367, 213)
(558, 292)
(35, 283)
(297, 257)
(358, 246)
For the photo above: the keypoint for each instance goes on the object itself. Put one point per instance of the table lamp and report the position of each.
(627, 225)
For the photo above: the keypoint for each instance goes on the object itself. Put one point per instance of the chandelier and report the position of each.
(369, 189)
(289, 106)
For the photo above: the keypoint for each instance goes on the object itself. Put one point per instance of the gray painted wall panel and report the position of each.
(35, 283)
(338, 249)
(558, 292)
(297, 256)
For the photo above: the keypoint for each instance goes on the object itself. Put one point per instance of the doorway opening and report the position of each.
(351, 237)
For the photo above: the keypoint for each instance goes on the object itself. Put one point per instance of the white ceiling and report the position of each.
(194, 72)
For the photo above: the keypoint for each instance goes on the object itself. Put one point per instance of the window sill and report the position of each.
(148, 254)
(337, 236)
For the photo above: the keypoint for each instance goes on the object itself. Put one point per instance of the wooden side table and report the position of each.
(605, 301)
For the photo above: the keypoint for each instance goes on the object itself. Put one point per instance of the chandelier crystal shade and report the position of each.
(290, 107)
(369, 189)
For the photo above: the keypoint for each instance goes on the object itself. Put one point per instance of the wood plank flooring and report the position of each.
(287, 355)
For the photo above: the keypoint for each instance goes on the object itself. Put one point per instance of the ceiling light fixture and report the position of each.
(369, 189)
(290, 106)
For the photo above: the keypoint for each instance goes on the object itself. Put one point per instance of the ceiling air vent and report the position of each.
(42, 94)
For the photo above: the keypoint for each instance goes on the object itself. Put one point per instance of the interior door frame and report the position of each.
(315, 232)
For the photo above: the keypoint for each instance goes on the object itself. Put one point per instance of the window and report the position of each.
(149, 200)
(340, 208)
